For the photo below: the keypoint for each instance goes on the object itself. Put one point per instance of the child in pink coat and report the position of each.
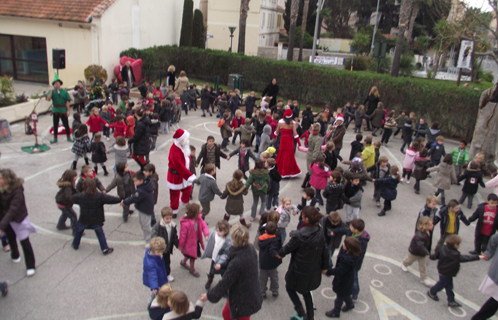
(320, 173)
(191, 236)
(409, 163)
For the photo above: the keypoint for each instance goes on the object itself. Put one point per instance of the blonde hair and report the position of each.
(383, 159)
(105, 108)
(150, 95)
(178, 302)
(157, 244)
(322, 116)
(171, 68)
(423, 224)
(479, 155)
(330, 146)
(265, 155)
(284, 200)
(431, 199)
(240, 236)
(238, 113)
(93, 111)
(334, 217)
(163, 295)
(375, 91)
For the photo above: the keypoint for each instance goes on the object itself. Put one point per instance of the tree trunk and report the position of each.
(244, 8)
(303, 28)
(409, 34)
(436, 65)
(404, 17)
(292, 29)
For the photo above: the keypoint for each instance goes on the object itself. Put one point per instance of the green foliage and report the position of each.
(307, 42)
(362, 41)
(310, 22)
(384, 67)
(328, 34)
(429, 74)
(421, 45)
(360, 63)
(406, 66)
(311, 84)
(96, 71)
(6, 87)
(487, 76)
(186, 33)
(21, 98)
(198, 36)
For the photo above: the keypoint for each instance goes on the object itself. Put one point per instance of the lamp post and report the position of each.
(317, 22)
(375, 28)
(232, 29)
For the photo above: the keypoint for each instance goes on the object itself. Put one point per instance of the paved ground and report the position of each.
(84, 284)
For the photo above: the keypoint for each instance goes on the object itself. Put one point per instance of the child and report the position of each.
(445, 176)
(368, 153)
(164, 116)
(143, 199)
(234, 191)
(210, 153)
(432, 134)
(378, 171)
(487, 222)
(159, 306)
(377, 118)
(76, 123)
(119, 126)
(329, 224)
(388, 192)
(154, 130)
(422, 163)
(358, 119)
(88, 173)
(266, 139)
(344, 274)
(285, 211)
(334, 193)
(269, 245)
(356, 146)
(226, 131)
(209, 188)
(259, 125)
(154, 272)
(400, 121)
(460, 157)
(377, 146)
(151, 174)
(448, 267)
(237, 122)
(268, 117)
(319, 176)
(421, 128)
(105, 114)
(244, 153)
(420, 248)
(473, 178)
(308, 200)
(246, 130)
(274, 188)
(406, 135)
(409, 163)
(218, 246)
(259, 181)
(354, 192)
(124, 182)
(63, 200)
(450, 217)
(95, 122)
(182, 309)
(192, 229)
(122, 104)
(437, 151)
(98, 153)
(81, 145)
(121, 149)
(331, 156)
(166, 229)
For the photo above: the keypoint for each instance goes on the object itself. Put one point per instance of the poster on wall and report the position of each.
(466, 48)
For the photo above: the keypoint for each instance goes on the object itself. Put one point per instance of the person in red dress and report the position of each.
(286, 159)
(179, 179)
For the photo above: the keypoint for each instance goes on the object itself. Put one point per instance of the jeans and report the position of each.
(339, 301)
(65, 123)
(114, 97)
(271, 200)
(67, 213)
(318, 196)
(403, 146)
(356, 285)
(263, 280)
(29, 256)
(487, 310)
(235, 134)
(283, 234)
(105, 131)
(308, 300)
(386, 135)
(444, 283)
(164, 127)
(469, 196)
(352, 213)
(330, 207)
(224, 143)
(331, 255)
(440, 191)
(99, 232)
(254, 208)
(193, 104)
(153, 139)
(407, 174)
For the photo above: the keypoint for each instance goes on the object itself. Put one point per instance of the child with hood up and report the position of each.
(473, 178)
(266, 139)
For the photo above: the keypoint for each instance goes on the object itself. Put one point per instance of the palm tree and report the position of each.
(404, 19)
(292, 29)
(414, 14)
(244, 8)
(303, 28)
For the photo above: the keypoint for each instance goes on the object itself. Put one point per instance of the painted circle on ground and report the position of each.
(377, 283)
(361, 311)
(327, 296)
(462, 315)
(380, 266)
(410, 292)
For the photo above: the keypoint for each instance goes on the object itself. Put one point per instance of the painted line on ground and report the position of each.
(139, 314)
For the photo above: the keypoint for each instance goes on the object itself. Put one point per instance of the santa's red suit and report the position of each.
(179, 178)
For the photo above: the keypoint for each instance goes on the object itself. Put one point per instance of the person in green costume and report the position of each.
(60, 110)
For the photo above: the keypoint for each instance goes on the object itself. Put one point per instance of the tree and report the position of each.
(186, 33)
(404, 17)
(198, 36)
(336, 16)
(445, 38)
(310, 20)
(292, 31)
(413, 16)
(244, 8)
(303, 30)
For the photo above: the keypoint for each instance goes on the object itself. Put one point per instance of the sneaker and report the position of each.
(63, 228)
(454, 304)
(402, 152)
(432, 296)
(332, 314)
(171, 278)
(225, 150)
(404, 268)
(107, 138)
(347, 308)
(417, 192)
(184, 265)
(17, 260)
(274, 293)
(108, 251)
(377, 204)
(174, 215)
(474, 252)
(407, 181)
(401, 180)
(426, 282)
(69, 139)
(30, 272)
(6, 248)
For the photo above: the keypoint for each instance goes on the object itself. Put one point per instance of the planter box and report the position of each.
(18, 112)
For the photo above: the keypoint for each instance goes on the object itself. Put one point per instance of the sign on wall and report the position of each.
(329, 61)
(466, 48)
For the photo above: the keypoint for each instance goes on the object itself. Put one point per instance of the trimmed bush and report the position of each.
(455, 107)
(98, 72)
(198, 37)
(188, 16)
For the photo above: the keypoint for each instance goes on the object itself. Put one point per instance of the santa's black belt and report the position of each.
(173, 171)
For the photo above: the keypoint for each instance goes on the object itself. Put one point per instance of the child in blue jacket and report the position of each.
(388, 192)
(154, 275)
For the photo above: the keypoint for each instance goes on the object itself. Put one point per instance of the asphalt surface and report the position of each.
(85, 284)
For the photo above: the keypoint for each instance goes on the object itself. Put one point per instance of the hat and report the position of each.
(288, 113)
(56, 78)
(180, 134)
(339, 118)
(271, 150)
(357, 162)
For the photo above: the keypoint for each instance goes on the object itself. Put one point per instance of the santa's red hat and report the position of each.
(288, 113)
(180, 134)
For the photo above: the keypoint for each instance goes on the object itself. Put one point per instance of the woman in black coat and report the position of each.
(241, 278)
(141, 138)
(124, 75)
(206, 96)
(272, 91)
(309, 259)
(170, 77)
(371, 102)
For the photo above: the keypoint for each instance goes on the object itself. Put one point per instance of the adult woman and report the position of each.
(489, 285)
(14, 220)
(127, 75)
(371, 102)
(336, 135)
(140, 139)
(286, 159)
(272, 91)
(182, 82)
(170, 77)
(309, 259)
(314, 150)
(240, 280)
(206, 96)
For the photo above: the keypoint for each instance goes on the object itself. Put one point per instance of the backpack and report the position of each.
(221, 123)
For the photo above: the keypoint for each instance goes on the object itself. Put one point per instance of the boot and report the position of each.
(306, 180)
(382, 213)
(442, 202)
(300, 312)
(86, 161)
(73, 165)
(96, 169)
(69, 139)
(105, 171)
(244, 223)
(54, 140)
(209, 282)
(257, 149)
(226, 217)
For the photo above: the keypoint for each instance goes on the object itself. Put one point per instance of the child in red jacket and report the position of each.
(191, 236)
(95, 122)
(237, 121)
(120, 127)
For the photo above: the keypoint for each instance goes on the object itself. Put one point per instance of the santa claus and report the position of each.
(179, 177)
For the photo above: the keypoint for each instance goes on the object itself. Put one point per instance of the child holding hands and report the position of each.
(166, 229)
(217, 248)
(191, 236)
(154, 274)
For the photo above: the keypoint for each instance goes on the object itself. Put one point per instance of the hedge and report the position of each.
(455, 107)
